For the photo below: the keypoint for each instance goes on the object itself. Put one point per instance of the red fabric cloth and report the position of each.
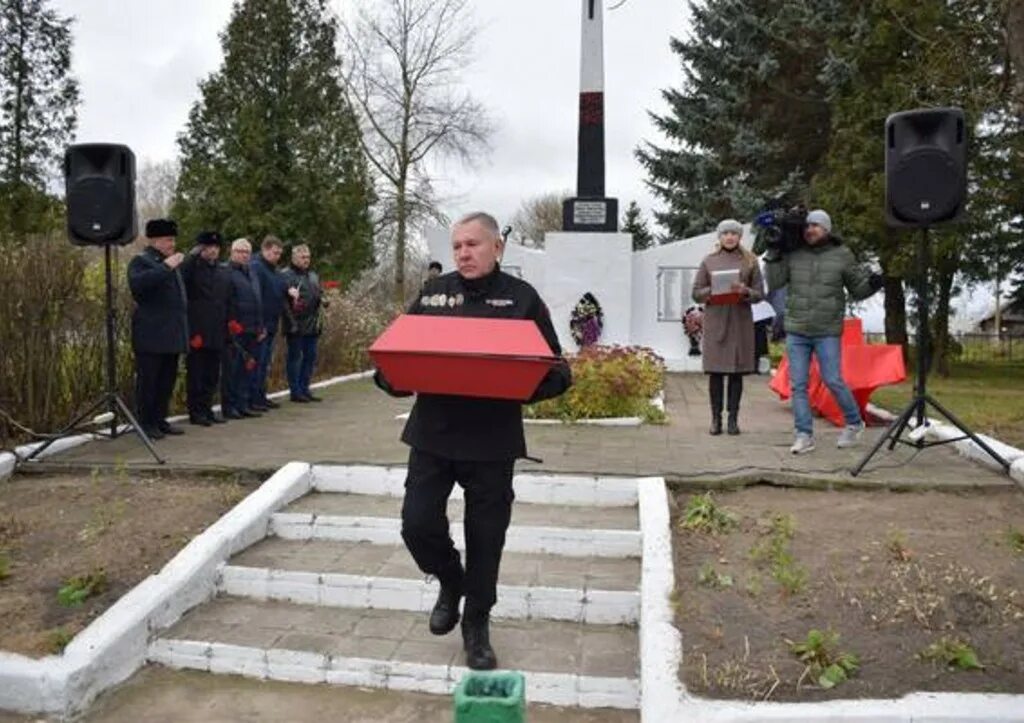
(865, 368)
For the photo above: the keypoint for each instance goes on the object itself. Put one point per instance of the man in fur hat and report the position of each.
(208, 286)
(159, 325)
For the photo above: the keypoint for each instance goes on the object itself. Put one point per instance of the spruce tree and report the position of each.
(749, 123)
(901, 55)
(38, 103)
(271, 146)
(635, 225)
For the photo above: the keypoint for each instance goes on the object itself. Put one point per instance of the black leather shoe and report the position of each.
(476, 640)
(733, 427)
(214, 419)
(716, 425)
(199, 421)
(258, 408)
(271, 404)
(445, 615)
(153, 433)
(232, 414)
(300, 400)
(249, 413)
(169, 429)
(311, 398)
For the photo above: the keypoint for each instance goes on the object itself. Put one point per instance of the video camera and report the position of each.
(780, 229)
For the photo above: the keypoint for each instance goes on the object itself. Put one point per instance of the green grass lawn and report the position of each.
(987, 396)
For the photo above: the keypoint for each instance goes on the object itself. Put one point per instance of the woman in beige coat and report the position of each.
(728, 344)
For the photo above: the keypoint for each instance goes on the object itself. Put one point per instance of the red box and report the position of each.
(489, 358)
(729, 299)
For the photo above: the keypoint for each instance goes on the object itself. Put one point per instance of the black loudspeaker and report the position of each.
(99, 180)
(925, 167)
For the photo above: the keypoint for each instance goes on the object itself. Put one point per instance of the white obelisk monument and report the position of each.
(591, 210)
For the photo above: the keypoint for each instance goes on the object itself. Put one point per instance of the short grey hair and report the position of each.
(241, 243)
(484, 219)
(301, 248)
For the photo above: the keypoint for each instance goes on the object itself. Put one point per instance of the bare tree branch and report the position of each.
(402, 59)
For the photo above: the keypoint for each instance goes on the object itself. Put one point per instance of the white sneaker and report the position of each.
(850, 436)
(804, 443)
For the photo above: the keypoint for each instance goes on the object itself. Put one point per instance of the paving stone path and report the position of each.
(356, 424)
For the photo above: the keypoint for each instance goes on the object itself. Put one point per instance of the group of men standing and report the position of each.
(225, 317)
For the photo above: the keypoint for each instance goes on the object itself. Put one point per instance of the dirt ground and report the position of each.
(122, 525)
(907, 581)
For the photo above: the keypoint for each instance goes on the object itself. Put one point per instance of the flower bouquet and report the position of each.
(693, 327)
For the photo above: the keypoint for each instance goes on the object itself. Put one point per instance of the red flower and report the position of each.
(332, 284)
(235, 328)
(250, 364)
(196, 342)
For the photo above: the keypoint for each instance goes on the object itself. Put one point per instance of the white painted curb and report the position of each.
(115, 645)
(569, 542)
(657, 401)
(563, 689)
(967, 448)
(515, 602)
(664, 698)
(8, 460)
(544, 489)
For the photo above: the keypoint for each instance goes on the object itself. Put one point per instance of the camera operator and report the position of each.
(816, 273)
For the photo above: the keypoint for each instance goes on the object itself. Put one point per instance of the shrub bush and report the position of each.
(608, 382)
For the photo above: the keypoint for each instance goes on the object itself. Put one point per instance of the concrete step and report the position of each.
(359, 574)
(523, 513)
(573, 531)
(548, 489)
(565, 663)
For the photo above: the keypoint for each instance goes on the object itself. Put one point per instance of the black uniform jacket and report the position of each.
(467, 428)
(209, 289)
(160, 320)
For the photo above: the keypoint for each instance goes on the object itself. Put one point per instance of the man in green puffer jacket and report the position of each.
(819, 274)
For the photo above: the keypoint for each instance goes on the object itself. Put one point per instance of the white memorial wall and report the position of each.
(643, 294)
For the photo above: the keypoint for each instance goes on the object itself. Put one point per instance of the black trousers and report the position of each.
(155, 375)
(488, 510)
(716, 384)
(202, 373)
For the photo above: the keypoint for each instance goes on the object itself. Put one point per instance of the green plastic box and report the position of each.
(491, 697)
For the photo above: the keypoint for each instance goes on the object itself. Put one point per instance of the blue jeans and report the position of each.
(264, 353)
(299, 367)
(829, 352)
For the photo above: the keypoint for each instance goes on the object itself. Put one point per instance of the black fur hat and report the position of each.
(160, 227)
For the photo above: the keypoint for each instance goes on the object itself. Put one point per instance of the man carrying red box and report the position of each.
(470, 440)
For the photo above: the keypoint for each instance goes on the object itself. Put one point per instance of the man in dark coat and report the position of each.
(272, 295)
(472, 441)
(245, 331)
(208, 287)
(159, 325)
(303, 323)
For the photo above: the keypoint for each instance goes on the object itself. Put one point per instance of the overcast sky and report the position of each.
(139, 62)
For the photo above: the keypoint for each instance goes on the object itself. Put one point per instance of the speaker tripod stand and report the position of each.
(110, 401)
(917, 408)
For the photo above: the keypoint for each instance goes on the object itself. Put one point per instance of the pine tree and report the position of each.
(634, 223)
(38, 102)
(271, 146)
(750, 123)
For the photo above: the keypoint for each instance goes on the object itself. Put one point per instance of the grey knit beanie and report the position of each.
(730, 224)
(819, 217)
